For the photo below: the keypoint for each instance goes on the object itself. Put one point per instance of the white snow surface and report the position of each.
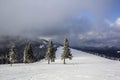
(83, 66)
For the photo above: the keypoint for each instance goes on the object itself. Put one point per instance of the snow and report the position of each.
(84, 66)
(41, 46)
(118, 51)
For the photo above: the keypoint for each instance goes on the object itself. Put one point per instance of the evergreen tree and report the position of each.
(66, 51)
(12, 55)
(24, 55)
(50, 54)
(28, 56)
(53, 50)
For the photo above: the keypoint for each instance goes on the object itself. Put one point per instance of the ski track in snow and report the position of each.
(83, 66)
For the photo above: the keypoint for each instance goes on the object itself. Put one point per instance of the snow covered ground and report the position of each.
(84, 66)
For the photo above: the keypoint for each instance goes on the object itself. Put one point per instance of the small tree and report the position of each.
(12, 55)
(50, 54)
(28, 56)
(66, 51)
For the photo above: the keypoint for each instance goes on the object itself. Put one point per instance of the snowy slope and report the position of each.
(84, 66)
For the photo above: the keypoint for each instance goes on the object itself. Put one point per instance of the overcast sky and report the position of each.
(84, 22)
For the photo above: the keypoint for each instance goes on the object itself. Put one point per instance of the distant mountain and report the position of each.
(39, 47)
(106, 51)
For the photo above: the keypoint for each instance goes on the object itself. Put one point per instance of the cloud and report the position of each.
(117, 22)
(109, 23)
(113, 25)
(21, 16)
(54, 19)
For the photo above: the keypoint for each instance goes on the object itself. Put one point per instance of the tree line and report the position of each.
(28, 55)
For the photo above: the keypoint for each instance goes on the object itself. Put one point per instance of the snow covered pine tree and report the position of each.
(50, 54)
(28, 56)
(12, 55)
(66, 51)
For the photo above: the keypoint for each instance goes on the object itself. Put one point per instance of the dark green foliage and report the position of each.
(50, 54)
(12, 55)
(28, 54)
(66, 51)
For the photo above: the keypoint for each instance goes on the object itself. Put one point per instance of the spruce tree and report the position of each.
(66, 51)
(28, 56)
(24, 55)
(50, 54)
(12, 55)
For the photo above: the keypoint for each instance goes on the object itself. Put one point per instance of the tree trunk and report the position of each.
(11, 64)
(52, 60)
(64, 61)
(48, 61)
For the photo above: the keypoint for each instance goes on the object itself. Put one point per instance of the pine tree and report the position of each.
(28, 56)
(24, 55)
(50, 54)
(66, 51)
(12, 55)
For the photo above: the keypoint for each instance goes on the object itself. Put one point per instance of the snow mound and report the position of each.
(83, 66)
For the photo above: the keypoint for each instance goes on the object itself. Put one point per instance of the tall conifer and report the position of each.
(66, 51)
(50, 54)
(28, 56)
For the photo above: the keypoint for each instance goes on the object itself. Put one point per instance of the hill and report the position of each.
(84, 66)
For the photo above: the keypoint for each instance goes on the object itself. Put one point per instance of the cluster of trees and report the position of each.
(50, 54)
(28, 54)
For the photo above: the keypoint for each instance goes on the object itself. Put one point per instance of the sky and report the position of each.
(84, 22)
